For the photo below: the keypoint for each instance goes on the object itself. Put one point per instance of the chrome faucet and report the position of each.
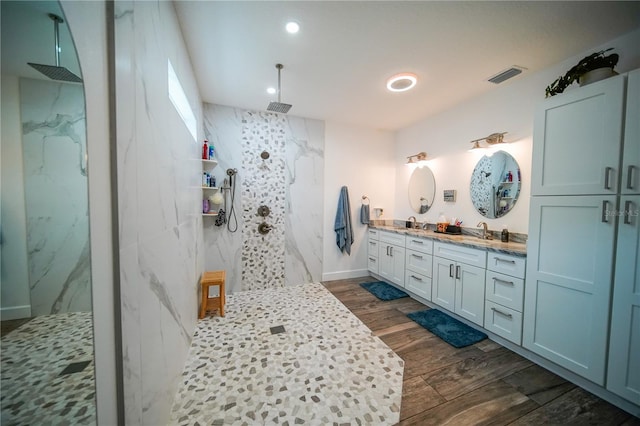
(485, 233)
(415, 224)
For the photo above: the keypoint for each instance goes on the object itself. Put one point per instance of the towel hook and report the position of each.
(364, 197)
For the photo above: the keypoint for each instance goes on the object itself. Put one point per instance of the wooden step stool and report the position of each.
(210, 278)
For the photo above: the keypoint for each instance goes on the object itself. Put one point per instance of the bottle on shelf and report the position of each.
(205, 150)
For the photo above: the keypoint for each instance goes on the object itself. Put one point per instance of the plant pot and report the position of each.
(596, 75)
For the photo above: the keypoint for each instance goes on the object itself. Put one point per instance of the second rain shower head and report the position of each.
(56, 72)
(279, 106)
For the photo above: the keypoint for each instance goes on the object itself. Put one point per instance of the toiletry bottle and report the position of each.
(204, 179)
(205, 150)
(210, 152)
(504, 237)
(212, 181)
(205, 206)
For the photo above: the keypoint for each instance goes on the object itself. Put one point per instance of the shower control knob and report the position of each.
(263, 211)
(264, 229)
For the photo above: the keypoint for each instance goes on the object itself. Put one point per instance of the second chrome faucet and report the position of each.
(486, 235)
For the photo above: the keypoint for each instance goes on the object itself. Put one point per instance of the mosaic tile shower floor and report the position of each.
(33, 356)
(326, 367)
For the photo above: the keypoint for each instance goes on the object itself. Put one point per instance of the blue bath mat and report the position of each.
(384, 291)
(447, 328)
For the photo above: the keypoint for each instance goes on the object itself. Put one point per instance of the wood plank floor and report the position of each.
(481, 384)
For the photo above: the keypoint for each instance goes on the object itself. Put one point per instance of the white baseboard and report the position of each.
(15, 312)
(344, 275)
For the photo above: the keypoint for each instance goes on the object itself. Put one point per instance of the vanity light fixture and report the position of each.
(402, 82)
(419, 159)
(492, 139)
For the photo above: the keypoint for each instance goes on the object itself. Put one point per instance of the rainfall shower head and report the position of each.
(279, 106)
(56, 72)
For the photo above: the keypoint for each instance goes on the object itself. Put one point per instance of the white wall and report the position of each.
(159, 207)
(14, 281)
(87, 23)
(510, 108)
(362, 159)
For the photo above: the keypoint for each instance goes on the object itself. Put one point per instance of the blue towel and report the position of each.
(364, 214)
(342, 225)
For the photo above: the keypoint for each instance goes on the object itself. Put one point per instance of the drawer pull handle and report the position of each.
(416, 255)
(630, 170)
(505, 260)
(627, 212)
(502, 313)
(417, 241)
(607, 175)
(451, 270)
(458, 271)
(416, 278)
(373, 259)
(373, 243)
(605, 211)
(503, 281)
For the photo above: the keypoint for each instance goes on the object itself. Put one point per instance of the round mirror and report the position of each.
(422, 189)
(495, 184)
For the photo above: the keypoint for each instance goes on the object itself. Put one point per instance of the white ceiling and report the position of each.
(336, 66)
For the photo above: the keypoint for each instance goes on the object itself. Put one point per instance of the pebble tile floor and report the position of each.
(288, 356)
(33, 356)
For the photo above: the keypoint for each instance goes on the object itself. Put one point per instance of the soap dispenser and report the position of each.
(504, 237)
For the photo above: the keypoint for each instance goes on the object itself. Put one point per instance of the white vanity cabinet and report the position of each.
(391, 255)
(373, 244)
(419, 266)
(459, 280)
(504, 292)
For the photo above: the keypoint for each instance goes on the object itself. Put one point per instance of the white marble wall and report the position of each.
(158, 208)
(290, 183)
(55, 173)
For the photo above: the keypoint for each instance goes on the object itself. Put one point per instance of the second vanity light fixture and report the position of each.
(419, 159)
(492, 139)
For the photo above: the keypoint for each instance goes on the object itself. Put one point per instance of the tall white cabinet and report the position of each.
(623, 376)
(574, 225)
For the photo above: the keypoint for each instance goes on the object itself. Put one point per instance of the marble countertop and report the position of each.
(515, 249)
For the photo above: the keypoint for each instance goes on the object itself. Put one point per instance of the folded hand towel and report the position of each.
(364, 214)
(342, 224)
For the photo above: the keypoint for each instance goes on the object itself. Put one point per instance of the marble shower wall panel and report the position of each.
(54, 152)
(290, 183)
(159, 207)
(304, 202)
(263, 184)
(223, 249)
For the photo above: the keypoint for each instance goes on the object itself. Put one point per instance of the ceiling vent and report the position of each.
(506, 74)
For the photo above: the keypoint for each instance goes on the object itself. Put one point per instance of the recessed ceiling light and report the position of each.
(292, 27)
(402, 82)
(271, 91)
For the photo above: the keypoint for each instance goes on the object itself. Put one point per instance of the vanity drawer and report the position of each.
(470, 256)
(373, 234)
(505, 290)
(418, 284)
(373, 248)
(506, 264)
(392, 238)
(422, 245)
(372, 264)
(419, 262)
(503, 321)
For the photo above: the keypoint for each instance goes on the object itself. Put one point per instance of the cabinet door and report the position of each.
(444, 283)
(397, 260)
(568, 281)
(624, 345)
(577, 140)
(469, 297)
(631, 157)
(385, 261)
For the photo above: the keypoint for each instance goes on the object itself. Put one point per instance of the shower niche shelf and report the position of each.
(207, 167)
